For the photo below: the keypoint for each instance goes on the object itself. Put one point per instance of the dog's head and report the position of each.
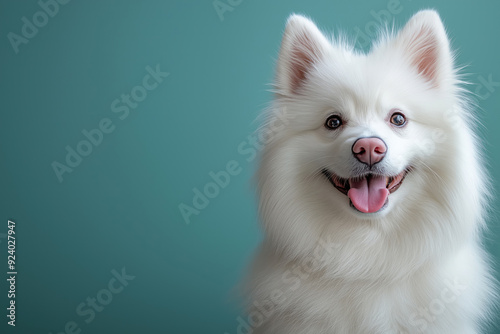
(364, 136)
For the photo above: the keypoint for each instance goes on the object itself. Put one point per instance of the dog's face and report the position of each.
(365, 123)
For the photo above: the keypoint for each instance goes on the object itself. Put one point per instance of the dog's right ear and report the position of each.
(303, 45)
(424, 44)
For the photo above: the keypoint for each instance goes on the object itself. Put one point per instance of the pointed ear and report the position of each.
(424, 43)
(302, 46)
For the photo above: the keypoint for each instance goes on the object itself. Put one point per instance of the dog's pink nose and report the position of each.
(369, 150)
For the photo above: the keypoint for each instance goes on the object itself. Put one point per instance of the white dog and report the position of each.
(371, 188)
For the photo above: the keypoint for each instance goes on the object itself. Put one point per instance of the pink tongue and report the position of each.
(369, 193)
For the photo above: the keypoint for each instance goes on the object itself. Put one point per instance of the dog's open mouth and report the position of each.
(368, 193)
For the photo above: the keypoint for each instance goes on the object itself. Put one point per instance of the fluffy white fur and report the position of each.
(416, 266)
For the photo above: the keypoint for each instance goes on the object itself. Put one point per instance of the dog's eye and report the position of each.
(398, 119)
(333, 122)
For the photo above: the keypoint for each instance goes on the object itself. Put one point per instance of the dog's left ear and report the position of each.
(302, 47)
(425, 45)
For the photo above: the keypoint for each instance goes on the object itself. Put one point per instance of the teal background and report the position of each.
(119, 207)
